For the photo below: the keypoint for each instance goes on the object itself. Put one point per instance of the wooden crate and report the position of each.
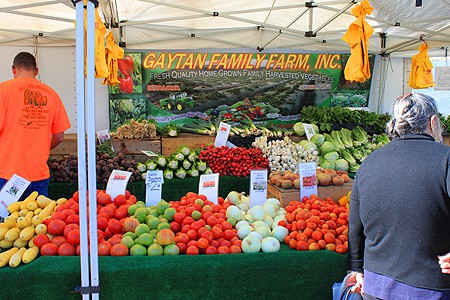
(170, 144)
(287, 195)
(131, 147)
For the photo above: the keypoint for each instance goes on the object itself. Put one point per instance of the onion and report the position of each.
(233, 197)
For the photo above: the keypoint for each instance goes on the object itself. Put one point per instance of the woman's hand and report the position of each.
(444, 262)
(356, 280)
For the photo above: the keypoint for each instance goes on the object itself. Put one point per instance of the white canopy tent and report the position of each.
(47, 28)
(256, 25)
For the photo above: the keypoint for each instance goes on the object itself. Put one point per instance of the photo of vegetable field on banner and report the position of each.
(180, 87)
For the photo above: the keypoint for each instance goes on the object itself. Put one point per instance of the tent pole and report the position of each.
(81, 146)
(92, 182)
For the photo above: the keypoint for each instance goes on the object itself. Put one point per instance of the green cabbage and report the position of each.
(326, 164)
(315, 128)
(331, 156)
(299, 129)
(309, 145)
(341, 164)
(327, 147)
(317, 139)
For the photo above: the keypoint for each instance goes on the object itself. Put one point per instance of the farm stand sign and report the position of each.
(180, 86)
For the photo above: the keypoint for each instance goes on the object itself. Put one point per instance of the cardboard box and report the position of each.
(287, 195)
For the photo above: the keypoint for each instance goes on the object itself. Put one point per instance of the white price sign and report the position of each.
(153, 184)
(308, 179)
(209, 186)
(11, 192)
(258, 187)
(222, 134)
(117, 183)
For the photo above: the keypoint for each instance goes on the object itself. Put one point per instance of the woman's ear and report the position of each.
(436, 129)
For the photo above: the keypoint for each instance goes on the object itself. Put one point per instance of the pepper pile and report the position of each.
(233, 161)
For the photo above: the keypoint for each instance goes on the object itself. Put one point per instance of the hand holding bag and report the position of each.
(340, 292)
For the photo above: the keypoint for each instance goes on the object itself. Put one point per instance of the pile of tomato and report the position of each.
(201, 227)
(63, 228)
(316, 224)
(236, 161)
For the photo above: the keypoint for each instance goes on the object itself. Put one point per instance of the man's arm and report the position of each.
(57, 138)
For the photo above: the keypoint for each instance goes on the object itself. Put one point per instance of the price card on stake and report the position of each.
(117, 183)
(308, 179)
(11, 192)
(209, 186)
(258, 187)
(309, 130)
(153, 184)
(103, 135)
(222, 134)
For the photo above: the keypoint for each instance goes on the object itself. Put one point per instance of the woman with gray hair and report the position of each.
(399, 220)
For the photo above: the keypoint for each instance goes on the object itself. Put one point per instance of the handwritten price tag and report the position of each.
(153, 184)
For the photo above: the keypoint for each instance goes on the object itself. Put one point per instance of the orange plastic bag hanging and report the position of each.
(357, 36)
(421, 76)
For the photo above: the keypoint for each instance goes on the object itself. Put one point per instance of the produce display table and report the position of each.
(288, 274)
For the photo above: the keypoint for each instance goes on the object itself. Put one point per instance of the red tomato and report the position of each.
(100, 235)
(183, 238)
(41, 239)
(107, 210)
(73, 237)
(211, 250)
(201, 230)
(47, 221)
(66, 249)
(114, 240)
(216, 231)
(192, 234)
(56, 227)
(78, 250)
(49, 249)
(70, 227)
(235, 249)
(104, 248)
(229, 234)
(119, 250)
(102, 223)
(192, 250)
(58, 215)
(207, 235)
(103, 198)
(115, 226)
(68, 212)
(59, 240)
(120, 213)
(202, 243)
(223, 250)
(179, 217)
(120, 200)
(103, 215)
(175, 226)
(182, 248)
(73, 219)
(226, 225)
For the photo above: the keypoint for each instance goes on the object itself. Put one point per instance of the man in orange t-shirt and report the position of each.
(32, 121)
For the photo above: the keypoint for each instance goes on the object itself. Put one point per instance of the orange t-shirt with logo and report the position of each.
(30, 112)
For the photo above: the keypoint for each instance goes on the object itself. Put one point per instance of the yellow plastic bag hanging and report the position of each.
(357, 36)
(101, 68)
(421, 76)
(113, 53)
